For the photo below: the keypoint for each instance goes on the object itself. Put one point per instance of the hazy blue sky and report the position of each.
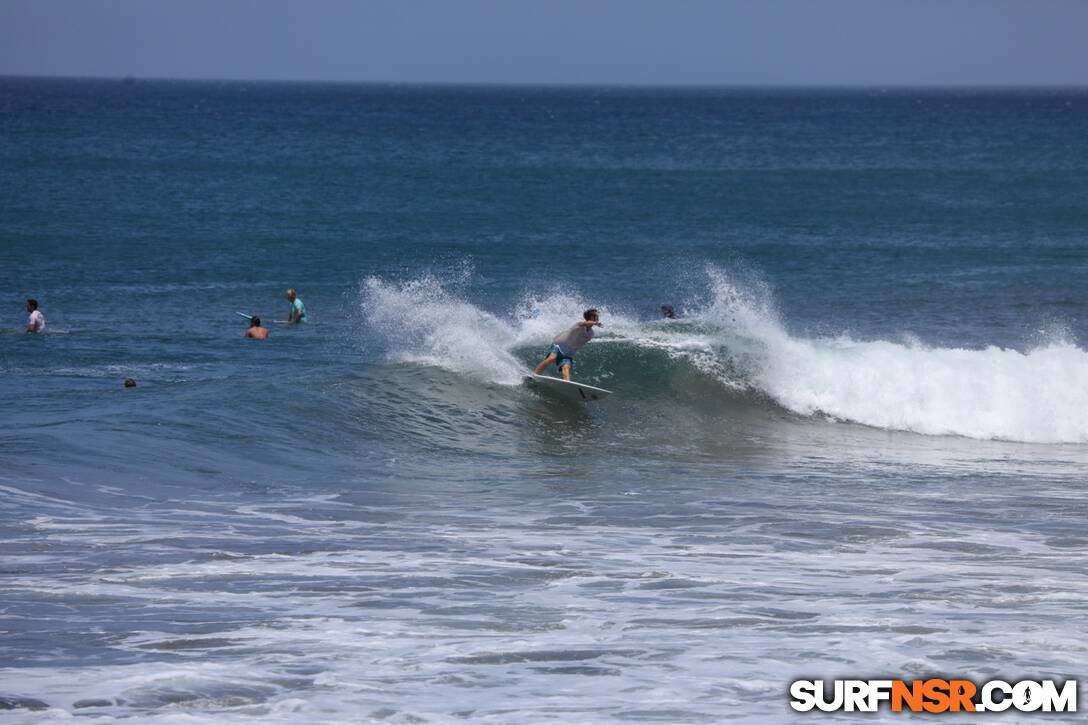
(872, 42)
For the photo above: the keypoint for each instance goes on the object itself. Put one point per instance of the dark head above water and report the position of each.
(255, 331)
(130, 383)
(667, 312)
(591, 314)
(31, 304)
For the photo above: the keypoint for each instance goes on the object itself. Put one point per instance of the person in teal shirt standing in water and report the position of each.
(298, 310)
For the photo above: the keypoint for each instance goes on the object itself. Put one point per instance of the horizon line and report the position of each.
(557, 84)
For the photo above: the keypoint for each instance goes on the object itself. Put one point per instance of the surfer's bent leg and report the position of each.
(544, 363)
(566, 371)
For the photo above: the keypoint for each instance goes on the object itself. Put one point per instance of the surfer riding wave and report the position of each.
(567, 343)
(733, 348)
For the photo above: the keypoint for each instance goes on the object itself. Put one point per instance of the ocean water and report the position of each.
(861, 449)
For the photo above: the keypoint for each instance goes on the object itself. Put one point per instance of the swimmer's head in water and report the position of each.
(591, 314)
(31, 304)
(291, 295)
(254, 321)
(130, 383)
(666, 312)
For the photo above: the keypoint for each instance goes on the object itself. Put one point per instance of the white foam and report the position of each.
(421, 322)
(1038, 396)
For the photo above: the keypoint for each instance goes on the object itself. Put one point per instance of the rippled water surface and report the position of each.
(859, 451)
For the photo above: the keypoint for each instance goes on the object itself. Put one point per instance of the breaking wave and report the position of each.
(733, 337)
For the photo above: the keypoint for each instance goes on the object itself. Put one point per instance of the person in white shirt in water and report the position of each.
(36, 322)
(568, 342)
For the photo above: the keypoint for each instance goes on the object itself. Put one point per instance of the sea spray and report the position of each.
(738, 338)
(423, 321)
(419, 321)
(1039, 396)
(1036, 396)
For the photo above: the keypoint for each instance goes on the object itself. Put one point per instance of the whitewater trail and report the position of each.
(736, 336)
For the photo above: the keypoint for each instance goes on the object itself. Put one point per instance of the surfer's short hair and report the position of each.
(254, 321)
(591, 314)
(32, 303)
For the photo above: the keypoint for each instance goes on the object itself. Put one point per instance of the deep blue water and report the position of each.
(860, 450)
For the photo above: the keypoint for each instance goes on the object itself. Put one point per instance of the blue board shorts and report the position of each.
(561, 358)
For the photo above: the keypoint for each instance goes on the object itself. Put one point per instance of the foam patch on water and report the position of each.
(584, 609)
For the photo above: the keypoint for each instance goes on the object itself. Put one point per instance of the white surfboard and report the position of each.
(571, 391)
(274, 322)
